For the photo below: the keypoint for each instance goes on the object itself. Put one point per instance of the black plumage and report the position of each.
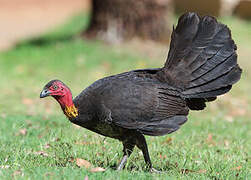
(201, 64)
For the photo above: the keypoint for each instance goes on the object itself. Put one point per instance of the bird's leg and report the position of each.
(142, 145)
(127, 150)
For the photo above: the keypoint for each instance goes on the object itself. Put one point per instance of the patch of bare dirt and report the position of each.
(20, 19)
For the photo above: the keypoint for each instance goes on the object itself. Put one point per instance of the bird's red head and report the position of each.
(62, 94)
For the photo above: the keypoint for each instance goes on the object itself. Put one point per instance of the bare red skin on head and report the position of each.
(62, 94)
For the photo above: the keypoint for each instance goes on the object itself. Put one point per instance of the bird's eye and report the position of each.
(55, 87)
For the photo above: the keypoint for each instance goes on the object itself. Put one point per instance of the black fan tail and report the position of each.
(202, 61)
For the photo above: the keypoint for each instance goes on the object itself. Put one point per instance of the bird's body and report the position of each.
(134, 100)
(201, 64)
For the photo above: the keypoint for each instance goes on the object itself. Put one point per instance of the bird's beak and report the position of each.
(45, 93)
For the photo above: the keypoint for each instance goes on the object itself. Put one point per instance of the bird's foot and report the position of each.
(119, 168)
(152, 170)
(122, 163)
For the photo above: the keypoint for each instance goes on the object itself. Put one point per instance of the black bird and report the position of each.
(201, 65)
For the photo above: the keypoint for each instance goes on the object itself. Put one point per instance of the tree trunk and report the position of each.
(202, 7)
(118, 20)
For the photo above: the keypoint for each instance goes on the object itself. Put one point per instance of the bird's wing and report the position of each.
(141, 104)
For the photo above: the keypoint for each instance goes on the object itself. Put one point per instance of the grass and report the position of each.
(37, 142)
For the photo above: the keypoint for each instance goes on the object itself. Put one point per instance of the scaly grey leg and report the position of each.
(142, 145)
(127, 150)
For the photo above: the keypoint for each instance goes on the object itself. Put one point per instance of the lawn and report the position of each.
(37, 141)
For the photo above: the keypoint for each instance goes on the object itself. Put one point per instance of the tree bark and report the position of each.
(118, 20)
(243, 9)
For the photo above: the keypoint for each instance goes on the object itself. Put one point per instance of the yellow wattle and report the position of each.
(71, 111)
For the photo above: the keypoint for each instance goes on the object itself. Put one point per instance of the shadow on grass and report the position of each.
(41, 41)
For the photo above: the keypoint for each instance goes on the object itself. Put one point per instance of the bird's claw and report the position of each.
(119, 168)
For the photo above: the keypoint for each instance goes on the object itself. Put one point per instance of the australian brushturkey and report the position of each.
(201, 65)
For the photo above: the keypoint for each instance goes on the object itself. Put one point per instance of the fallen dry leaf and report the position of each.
(210, 140)
(22, 132)
(42, 153)
(81, 162)
(40, 136)
(209, 137)
(167, 140)
(186, 171)
(97, 169)
(56, 139)
(202, 171)
(162, 157)
(46, 146)
(226, 143)
(237, 168)
(71, 160)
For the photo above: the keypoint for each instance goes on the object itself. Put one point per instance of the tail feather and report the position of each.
(223, 81)
(202, 61)
(198, 103)
(223, 54)
(214, 73)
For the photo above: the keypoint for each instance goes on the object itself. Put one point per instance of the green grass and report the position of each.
(213, 144)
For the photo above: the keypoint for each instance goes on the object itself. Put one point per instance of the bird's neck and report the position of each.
(67, 105)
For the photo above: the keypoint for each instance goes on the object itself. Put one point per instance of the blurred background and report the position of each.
(80, 41)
